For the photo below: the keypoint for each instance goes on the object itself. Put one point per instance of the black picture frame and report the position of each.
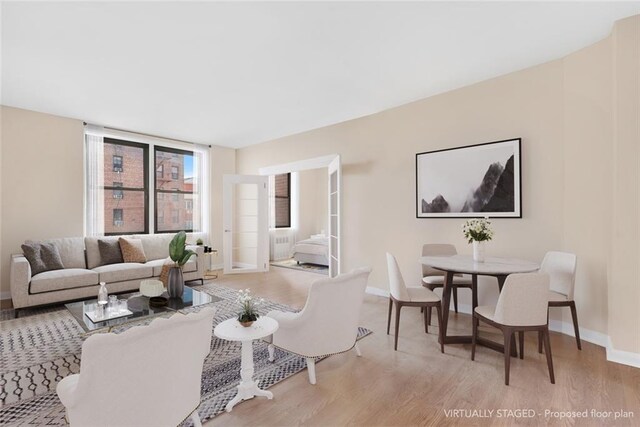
(457, 174)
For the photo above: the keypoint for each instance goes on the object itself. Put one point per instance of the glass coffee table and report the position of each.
(139, 307)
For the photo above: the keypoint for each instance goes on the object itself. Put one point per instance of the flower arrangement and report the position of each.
(249, 303)
(477, 230)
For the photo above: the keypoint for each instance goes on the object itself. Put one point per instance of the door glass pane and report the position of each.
(245, 227)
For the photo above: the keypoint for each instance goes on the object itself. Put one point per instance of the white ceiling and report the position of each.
(235, 74)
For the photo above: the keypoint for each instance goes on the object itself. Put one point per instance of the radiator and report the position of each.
(281, 244)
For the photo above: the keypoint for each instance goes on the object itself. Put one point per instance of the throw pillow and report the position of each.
(164, 274)
(110, 252)
(132, 250)
(42, 257)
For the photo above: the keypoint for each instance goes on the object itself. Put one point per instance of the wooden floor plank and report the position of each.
(417, 384)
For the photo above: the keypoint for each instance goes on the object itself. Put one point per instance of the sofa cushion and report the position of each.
(132, 250)
(71, 251)
(157, 265)
(156, 246)
(42, 257)
(124, 271)
(93, 250)
(67, 278)
(110, 252)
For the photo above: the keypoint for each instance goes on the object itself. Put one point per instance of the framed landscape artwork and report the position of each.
(470, 182)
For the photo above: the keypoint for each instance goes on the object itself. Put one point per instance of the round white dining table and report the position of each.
(499, 268)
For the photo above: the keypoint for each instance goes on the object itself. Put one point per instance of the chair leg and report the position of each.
(271, 349)
(508, 333)
(455, 299)
(389, 317)
(576, 329)
(426, 324)
(547, 350)
(474, 336)
(195, 418)
(440, 330)
(540, 338)
(429, 316)
(358, 352)
(398, 307)
(311, 367)
(521, 342)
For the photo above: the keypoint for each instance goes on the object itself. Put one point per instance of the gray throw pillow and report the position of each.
(110, 252)
(42, 257)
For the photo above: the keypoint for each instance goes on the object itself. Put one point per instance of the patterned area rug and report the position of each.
(38, 350)
(293, 264)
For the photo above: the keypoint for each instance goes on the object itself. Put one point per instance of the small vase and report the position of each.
(175, 283)
(478, 251)
(247, 324)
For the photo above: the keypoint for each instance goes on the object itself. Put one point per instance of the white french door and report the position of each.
(245, 220)
(335, 177)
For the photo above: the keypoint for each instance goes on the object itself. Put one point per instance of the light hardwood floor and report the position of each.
(417, 384)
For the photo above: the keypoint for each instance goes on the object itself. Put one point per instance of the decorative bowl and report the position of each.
(151, 288)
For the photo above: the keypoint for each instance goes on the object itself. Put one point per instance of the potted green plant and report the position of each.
(249, 304)
(179, 254)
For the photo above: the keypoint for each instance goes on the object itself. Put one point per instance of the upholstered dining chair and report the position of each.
(432, 278)
(418, 296)
(561, 268)
(145, 376)
(328, 323)
(521, 307)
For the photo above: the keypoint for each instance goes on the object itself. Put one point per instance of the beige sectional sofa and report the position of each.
(82, 273)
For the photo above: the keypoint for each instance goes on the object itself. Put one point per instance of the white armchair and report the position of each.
(146, 376)
(327, 324)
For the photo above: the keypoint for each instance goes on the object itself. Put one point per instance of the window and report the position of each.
(117, 163)
(120, 198)
(126, 199)
(184, 198)
(117, 192)
(283, 200)
(118, 218)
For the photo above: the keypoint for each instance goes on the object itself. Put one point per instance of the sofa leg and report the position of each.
(311, 367)
(271, 349)
(16, 313)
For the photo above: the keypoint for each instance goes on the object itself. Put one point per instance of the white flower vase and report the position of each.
(478, 251)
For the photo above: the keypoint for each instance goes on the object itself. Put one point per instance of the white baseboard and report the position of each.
(620, 356)
(566, 328)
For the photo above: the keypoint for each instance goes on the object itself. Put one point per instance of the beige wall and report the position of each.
(313, 214)
(223, 161)
(42, 180)
(624, 289)
(562, 110)
(42, 177)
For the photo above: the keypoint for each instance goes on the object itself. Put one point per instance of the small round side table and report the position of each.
(232, 330)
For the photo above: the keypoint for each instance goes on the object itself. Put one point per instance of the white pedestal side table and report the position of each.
(232, 330)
